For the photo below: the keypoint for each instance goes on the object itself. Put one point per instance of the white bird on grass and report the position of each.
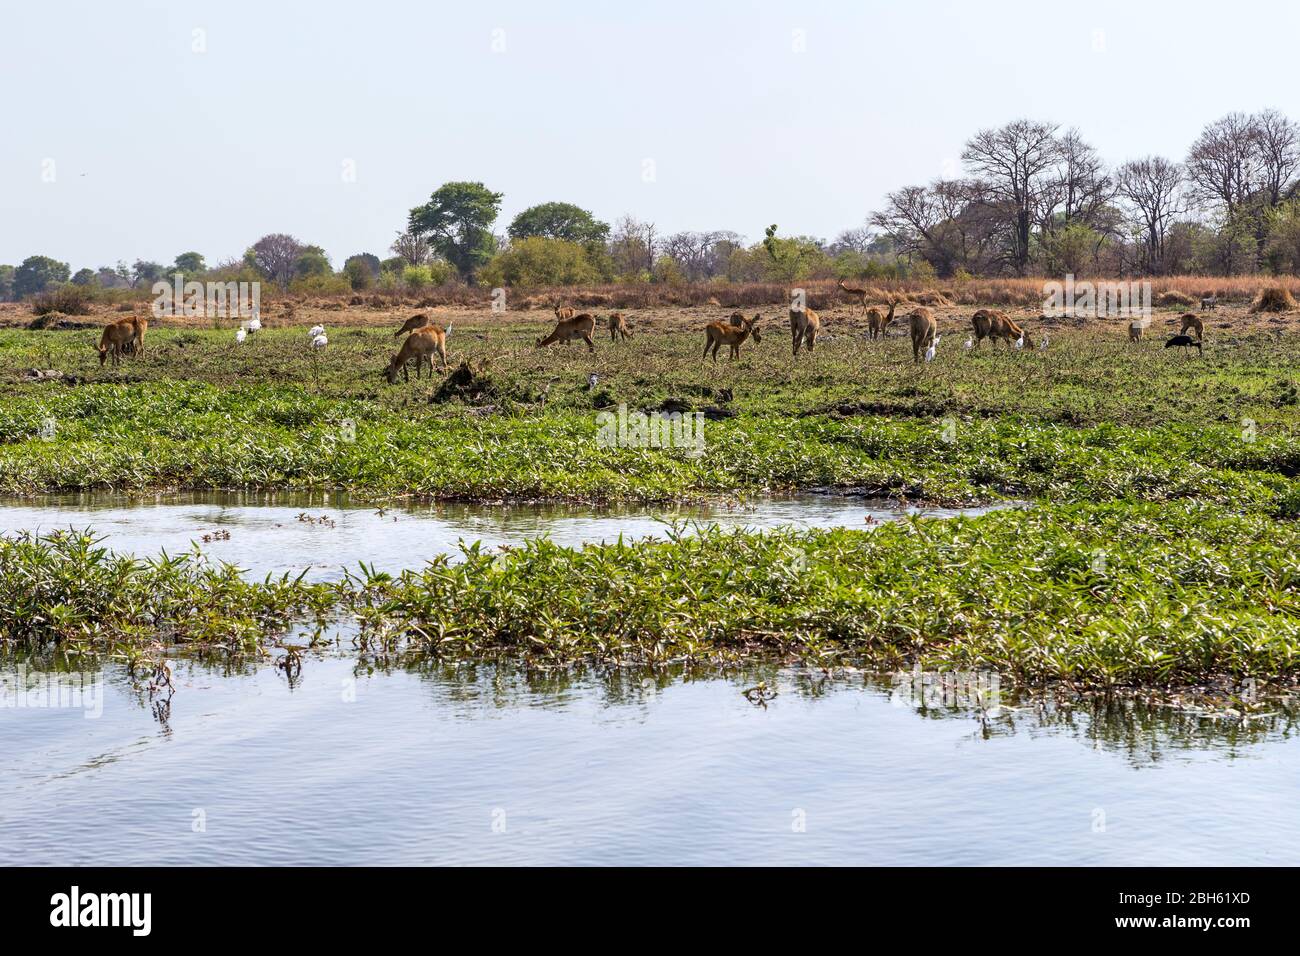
(1020, 342)
(970, 343)
(929, 353)
(240, 336)
(1043, 344)
(316, 331)
(319, 341)
(255, 323)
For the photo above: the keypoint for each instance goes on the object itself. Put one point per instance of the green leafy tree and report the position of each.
(791, 260)
(189, 263)
(457, 222)
(6, 283)
(312, 261)
(84, 277)
(559, 220)
(361, 270)
(144, 272)
(38, 273)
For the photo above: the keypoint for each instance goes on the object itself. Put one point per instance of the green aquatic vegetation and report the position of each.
(64, 588)
(1093, 595)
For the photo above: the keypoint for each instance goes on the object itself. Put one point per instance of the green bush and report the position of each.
(536, 261)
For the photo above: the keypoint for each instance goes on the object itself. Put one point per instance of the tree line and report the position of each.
(1031, 199)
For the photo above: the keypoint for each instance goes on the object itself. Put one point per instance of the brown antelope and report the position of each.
(804, 324)
(567, 312)
(993, 324)
(419, 347)
(575, 327)
(717, 334)
(923, 328)
(411, 324)
(618, 326)
(855, 293)
(1190, 320)
(119, 335)
(877, 321)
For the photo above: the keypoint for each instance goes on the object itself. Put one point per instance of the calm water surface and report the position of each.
(474, 765)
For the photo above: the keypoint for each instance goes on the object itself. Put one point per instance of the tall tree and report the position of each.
(189, 263)
(457, 222)
(411, 248)
(275, 256)
(558, 220)
(37, 273)
(1015, 164)
(1153, 188)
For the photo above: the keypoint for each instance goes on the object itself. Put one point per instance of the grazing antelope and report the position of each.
(575, 327)
(618, 326)
(119, 335)
(804, 324)
(923, 327)
(411, 324)
(855, 293)
(992, 324)
(419, 347)
(1190, 320)
(1210, 302)
(717, 334)
(878, 322)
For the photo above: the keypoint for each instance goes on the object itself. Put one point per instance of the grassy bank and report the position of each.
(1184, 472)
(1093, 595)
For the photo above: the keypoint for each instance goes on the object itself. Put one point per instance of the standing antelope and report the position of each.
(992, 324)
(1190, 320)
(419, 346)
(878, 322)
(855, 293)
(923, 327)
(575, 327)
(120, 334)
(717, 334)
(804, 324)
(567, 312)
(618, 326)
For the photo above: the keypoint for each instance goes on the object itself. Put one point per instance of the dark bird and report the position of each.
(1183, 342)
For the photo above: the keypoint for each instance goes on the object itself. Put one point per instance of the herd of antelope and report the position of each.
(425, 338)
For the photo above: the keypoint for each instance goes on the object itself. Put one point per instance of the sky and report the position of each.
(139, 130)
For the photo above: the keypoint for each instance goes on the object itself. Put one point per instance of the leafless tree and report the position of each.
(1016, 164)
(275, 256)
(1153, 188)
(633, 245)
(1080, 189)
(414, 249)
(950, 223)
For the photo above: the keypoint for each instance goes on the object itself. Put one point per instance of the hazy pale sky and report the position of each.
(169, 126)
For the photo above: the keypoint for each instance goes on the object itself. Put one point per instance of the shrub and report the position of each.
(67, 299)
(536, 261)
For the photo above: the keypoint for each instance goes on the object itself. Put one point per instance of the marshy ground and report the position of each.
(1160, 546)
